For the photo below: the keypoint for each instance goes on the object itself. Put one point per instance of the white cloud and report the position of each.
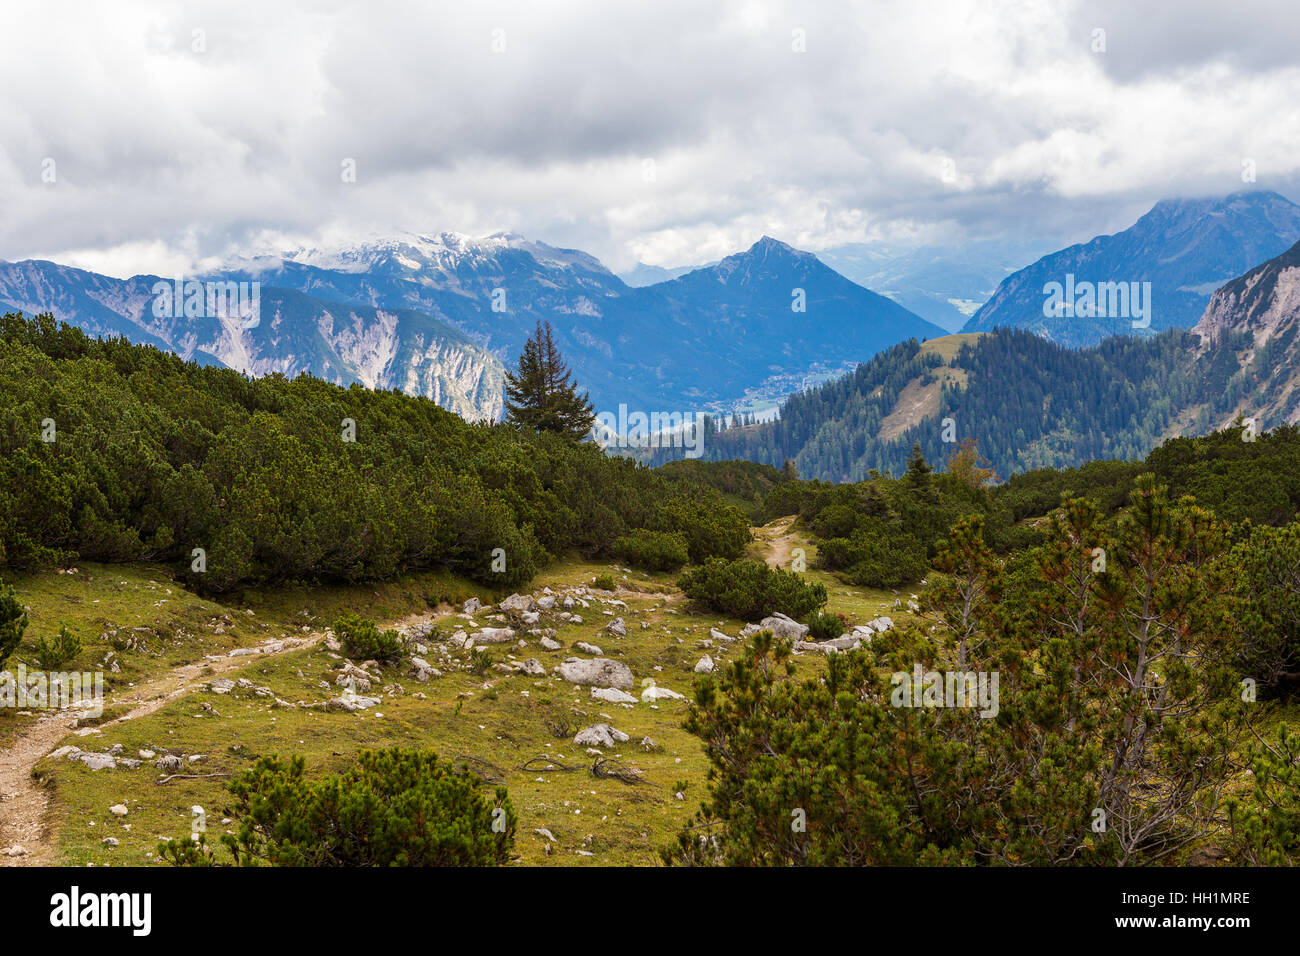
(902, 121)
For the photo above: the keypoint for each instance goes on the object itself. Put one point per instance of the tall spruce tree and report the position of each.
(919, 476)
(540, 393)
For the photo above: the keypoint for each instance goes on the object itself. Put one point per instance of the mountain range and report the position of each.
(1184, 248)
(443, 315)
(296, 332)
(1033, 403)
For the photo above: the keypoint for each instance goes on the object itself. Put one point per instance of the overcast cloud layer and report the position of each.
(669, 132)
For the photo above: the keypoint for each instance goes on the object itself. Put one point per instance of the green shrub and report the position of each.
(750, 590)
(824, 626)
(710, 530)
(13, 621)
(363, 641)
(1266, 567)
(53, 654)
(652, 550)
(604, 582)
(878, 557)
(395, 807)
(480, 661)
(253, 470)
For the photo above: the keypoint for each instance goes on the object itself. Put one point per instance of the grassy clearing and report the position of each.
(501, 723)
(136, 623)
(947, 346)
(499, 720)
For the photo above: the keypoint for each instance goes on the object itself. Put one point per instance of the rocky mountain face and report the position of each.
(1157, 274)
(1255, 320)
(267, 329)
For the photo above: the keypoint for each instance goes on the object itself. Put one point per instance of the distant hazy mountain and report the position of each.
(439, 315)
(1184, 249)
(943, 284)
(642, 275)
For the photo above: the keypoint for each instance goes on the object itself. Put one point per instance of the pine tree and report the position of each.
(13, 621)
(540, 394)
(919, 477)
(966, 464)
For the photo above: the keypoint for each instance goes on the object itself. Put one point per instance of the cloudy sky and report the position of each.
(156, 137)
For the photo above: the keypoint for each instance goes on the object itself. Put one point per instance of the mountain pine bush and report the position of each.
(153, 458)
(750, 590)
(395, 807)
(1119, 715)
(13, 621)
(364, 641)
(55, 653)
(652, 550)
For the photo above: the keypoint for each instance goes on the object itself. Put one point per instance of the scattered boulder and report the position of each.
(600, 735)
(586, 648)
(472, 605)
(118, 810)
(353, 677)
(780, 625)
(222, 685)
(598, 673)
(421, 632)
(351, 703)
(169, 763)
(517, 602)
(423, 670)
(704, 665)
(492, 635)
(550, 644)
(612, 695)
(617, 627)
(655, 692)
(849, 642)
(532, 666)
(96, 761)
